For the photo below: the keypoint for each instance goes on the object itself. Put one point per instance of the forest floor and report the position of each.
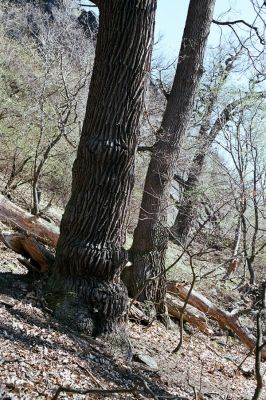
(37, 355)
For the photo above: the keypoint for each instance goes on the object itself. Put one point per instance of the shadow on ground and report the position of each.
(19, 297)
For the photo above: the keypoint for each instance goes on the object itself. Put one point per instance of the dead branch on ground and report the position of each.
(21, 220)
(225, 318)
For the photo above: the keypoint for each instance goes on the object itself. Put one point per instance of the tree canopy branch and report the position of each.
(241, 21)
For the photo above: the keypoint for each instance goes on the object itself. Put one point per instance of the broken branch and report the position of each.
(224, 318)
(17, 218)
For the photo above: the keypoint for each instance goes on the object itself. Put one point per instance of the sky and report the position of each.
(171, 18)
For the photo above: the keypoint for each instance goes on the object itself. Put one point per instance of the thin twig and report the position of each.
(241, 21)
(258, 373)
(88, 372)
(259, 346)
(68, 389)
(181, 320)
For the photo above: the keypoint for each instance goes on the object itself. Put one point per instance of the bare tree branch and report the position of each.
(68, 389)
(241, 21)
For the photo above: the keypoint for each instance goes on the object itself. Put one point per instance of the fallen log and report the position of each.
(33, 230)
(19, 219)
(35, 255)
(174, 306)
(137, 315)
(190, 314)
(225, 318)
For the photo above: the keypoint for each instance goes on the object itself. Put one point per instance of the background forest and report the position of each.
(212, 223)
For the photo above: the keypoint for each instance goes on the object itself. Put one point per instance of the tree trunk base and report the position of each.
(92, 307)
(141, 285)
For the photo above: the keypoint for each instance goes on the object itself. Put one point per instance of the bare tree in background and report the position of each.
(209, 130)
(43, 89)
(246, 173)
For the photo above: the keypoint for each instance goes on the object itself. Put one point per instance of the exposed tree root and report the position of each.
(39, 258)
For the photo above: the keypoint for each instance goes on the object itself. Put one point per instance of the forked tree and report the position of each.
(151, 236)
(85, 286)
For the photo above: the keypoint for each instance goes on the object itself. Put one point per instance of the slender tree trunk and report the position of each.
(237, 239)
(187, 209)
(151, 237)
(235, 255)
(36, 195)
(89, 256)
(15, 171)
(252, 275)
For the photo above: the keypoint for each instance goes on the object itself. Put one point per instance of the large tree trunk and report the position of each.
(86, 287)
(151, 237)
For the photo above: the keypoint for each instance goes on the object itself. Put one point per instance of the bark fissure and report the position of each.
(150, 235)
(89, 256)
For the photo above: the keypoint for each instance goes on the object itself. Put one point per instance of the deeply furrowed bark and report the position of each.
(86, 288)
(187, 209)
(151, 237)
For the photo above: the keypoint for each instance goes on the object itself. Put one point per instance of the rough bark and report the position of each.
(225, 318)
(86, 286)
(151, 237)
(42, 260)
(190, 200)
